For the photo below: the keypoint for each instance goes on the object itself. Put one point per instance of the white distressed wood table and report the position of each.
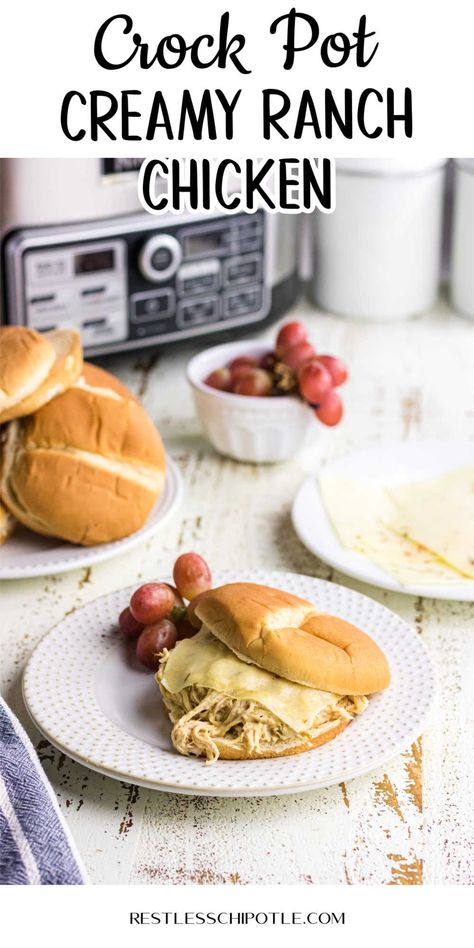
(408, 823)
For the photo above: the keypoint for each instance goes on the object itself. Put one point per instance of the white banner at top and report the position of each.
(332, 78)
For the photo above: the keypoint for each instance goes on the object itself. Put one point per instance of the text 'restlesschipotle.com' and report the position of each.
(237, 918)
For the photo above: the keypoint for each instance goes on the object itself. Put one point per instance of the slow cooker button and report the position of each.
(161, 259)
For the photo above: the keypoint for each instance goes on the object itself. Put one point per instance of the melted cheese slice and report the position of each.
(366, 520)
(203, 660)
(439, 514)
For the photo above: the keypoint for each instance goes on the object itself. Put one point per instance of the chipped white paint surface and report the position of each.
(410, 822)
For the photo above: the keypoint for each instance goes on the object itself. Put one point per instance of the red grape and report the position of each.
(152, 602)
(193, 618)
(330, 410)
(178, 600)
(241, 372)
(153, 640)
(248, 360)
(191, 575)
(256, 382)
(128, 625)
(335, 367)
(298, 354)
(291, 334)
(267, 361)
(185, 629)
(220, 379)
(314, 381)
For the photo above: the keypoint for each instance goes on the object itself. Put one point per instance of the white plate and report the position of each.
(89, 697)
(27, 554)
(386, 462)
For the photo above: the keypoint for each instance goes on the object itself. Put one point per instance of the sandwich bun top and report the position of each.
(93, 377)
(289, 637)
(35, 367)
(25, 360)
(87, 467)
(98, 414)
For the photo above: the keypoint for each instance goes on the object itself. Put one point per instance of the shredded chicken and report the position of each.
(200, 715)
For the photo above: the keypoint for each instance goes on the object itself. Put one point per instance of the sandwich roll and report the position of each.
(289, 637)
(26, 358)
(224, 703)
(87, 467)
(7, 523)
(35, 367)
(94, 377)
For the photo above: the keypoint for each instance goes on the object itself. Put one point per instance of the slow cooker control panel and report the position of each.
(79, 285)
(203, 273)
(133, 282)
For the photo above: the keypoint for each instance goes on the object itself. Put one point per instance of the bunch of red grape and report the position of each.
(157, 616)
(294, 365)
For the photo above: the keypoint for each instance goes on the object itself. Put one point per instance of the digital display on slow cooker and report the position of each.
(206, 243)
(94, 262)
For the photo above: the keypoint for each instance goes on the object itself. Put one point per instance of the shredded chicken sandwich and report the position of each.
(200, 716)
(266, 676)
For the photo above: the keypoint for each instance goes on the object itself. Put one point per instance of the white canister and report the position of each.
(377, 256)
(462, 263)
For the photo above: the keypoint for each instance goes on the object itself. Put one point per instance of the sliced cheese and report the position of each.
(363, 517)
(203, 660)
(439, 514)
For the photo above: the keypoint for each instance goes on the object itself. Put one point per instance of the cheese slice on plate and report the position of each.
(204, 660)
(361, 513)
(439, 514)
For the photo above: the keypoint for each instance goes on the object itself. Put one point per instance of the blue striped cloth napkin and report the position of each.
(36, 847)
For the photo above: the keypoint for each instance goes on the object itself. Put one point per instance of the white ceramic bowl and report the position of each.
(245, 427)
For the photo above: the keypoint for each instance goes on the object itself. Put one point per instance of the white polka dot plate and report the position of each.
(26, 554)
(88, 696)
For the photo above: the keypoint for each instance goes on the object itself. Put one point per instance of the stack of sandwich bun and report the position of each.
(80, 458)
